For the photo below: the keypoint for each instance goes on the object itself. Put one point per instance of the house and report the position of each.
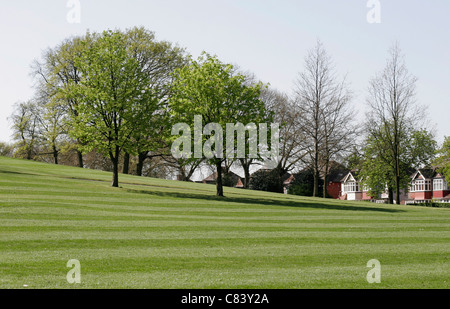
(334, 184)
(352, 189)
(427, 185)
(336, 172)
(230, 180)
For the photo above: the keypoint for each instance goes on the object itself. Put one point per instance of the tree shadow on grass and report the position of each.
(268, 201)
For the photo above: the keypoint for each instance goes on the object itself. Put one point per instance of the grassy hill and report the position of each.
(153, 233)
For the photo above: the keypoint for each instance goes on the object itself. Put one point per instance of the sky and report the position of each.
(266, 37)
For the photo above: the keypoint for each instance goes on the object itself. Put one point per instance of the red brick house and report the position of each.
(352, 189)
(427, 185)
(334, 183)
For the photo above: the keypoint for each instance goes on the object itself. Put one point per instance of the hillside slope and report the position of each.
(153, 233)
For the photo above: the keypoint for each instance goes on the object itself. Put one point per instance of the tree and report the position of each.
(53, 74)
(392, 115)
(6, 150)
(51, 128)
(303, 183)
(25, 119)
(292, 145)
(326, 119)
(338, 129)
(266, 180)
(184, 167)
(211, 90)
(114, 98)
(377, 167)
(158, 60)
(443, 159)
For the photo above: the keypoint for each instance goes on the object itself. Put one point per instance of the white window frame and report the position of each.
(351, 186)
(440, 185)
(421, 185)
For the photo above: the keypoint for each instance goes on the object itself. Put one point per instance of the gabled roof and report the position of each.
(337, 176)
(353, 174)
(424, 173)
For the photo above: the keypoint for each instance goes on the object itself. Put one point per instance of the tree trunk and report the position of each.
(115, 161)
(29, 152)
(80, 159)
(115, 182)
(140, 165)
(397, 193)
(219, 182)
(126, 164)
(316, 166)
(246, 177)
(246, 167)
(391, 196)
(316, 183)
(55, 155)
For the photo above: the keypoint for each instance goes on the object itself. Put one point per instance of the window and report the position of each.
(421, 185)
(440, 185)
(351, 186)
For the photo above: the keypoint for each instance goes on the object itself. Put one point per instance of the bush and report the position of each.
(6, 150)
(303, 184)
(434, 204)
(266, 180)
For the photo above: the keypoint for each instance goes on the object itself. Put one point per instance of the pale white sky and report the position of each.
(267, 37)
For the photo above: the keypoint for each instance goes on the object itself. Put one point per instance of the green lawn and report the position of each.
(153, 233)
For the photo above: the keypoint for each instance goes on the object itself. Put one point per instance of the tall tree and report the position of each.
(338, 129)
(52, 129)
(54, 72)
(377, 167)
(25, 120)
(113, 98)
(213, 91)
(292, 146)
(158, 60)
(392, 115)
(322, 102)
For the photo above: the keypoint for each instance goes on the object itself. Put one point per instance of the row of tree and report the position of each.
(117, 95)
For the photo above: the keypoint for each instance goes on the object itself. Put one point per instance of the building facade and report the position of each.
(427, 185)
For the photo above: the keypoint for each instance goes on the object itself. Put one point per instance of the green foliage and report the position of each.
(266, 180)
(434, 205)
(113, 95)
(212, 89)
(119, 96)
(6, 150)
(218, 94)
(377, 168)
(303, 183)
(25, 119)
(443, 159)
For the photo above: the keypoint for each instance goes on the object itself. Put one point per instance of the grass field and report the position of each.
(153, 233)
